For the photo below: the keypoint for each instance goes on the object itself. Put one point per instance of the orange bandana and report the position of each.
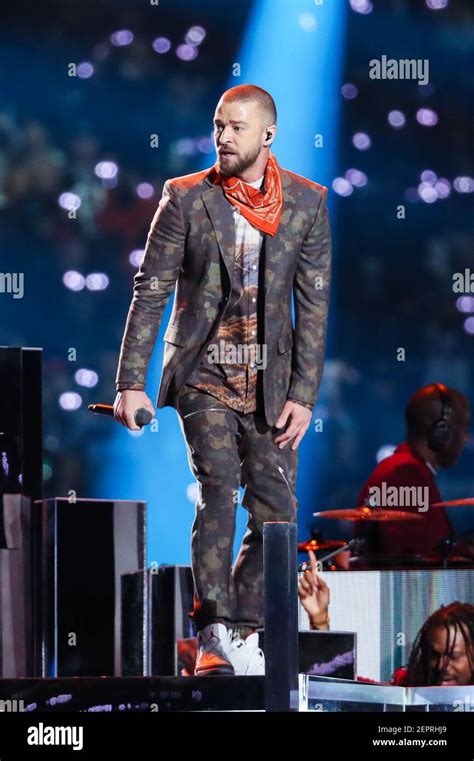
(261, 208)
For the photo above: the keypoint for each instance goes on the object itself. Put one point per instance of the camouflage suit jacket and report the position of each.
(190, 249)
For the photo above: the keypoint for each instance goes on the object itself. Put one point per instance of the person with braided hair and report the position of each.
(443, 651)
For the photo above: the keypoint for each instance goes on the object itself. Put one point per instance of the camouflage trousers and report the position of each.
(228, 449)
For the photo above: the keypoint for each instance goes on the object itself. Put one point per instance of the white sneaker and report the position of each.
(246, 656)
(212, 656)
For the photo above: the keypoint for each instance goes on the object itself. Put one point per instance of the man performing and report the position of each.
(237, 240)
(437, 425)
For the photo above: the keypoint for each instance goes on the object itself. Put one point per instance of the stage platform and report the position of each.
(148, 694)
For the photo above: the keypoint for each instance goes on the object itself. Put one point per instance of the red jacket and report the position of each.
(405, 468)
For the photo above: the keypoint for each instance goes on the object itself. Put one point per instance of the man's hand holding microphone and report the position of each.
(127, 403)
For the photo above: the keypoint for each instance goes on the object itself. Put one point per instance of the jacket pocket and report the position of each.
(285, 343)
(175, 335)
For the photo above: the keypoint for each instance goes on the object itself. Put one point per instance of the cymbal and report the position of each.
(437, 557)
(455, 503)
(368, 514)
(317, 546)
(432, 560)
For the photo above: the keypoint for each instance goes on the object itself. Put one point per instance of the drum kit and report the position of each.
(446, 555)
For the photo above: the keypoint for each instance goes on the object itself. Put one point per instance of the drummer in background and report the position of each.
(437, 425)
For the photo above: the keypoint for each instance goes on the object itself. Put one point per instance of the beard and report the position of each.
(232, 166)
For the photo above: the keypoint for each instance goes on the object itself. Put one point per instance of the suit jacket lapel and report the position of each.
(222, 219)
(277, 248)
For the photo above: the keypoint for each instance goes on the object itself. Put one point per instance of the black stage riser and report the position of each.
(150, 694)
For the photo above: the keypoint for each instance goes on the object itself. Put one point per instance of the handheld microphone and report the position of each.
(142, 416)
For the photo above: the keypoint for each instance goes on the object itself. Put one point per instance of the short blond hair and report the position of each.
(257, 94)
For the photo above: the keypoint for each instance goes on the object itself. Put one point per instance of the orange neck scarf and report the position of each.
(261, 207)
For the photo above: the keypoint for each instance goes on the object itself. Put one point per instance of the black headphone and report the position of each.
(440, 432)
